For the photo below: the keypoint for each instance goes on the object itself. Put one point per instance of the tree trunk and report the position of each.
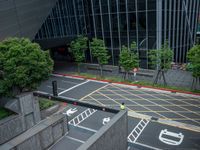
(101, 70)
(78, 67)
(126, 75)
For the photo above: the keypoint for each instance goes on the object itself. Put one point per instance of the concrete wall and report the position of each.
(112, 136)
(41, 136)
(23, 18)
(27, 108)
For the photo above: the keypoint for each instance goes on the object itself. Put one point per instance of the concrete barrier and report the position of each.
(28, 114)
(41, 136)
(112, 136)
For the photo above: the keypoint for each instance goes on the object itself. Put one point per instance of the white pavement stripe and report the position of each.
(143, 123)
(91, 112)
(74, 139)
(86, 128)
(70, 77)
(73, 87)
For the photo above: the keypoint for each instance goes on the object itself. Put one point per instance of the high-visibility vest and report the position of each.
(122, 107)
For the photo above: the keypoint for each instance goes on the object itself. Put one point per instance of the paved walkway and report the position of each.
(177, 78)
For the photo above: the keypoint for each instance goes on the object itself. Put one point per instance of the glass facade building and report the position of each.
(119, 22)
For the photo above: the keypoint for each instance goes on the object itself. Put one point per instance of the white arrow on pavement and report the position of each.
(106, 120)
(70, 111)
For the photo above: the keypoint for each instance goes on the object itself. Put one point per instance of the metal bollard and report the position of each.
(55, 88)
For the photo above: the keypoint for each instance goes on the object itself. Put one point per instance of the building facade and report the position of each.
(119, 22)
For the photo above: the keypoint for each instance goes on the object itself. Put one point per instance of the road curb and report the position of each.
(131, 84)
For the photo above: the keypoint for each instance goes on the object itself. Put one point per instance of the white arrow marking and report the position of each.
(70, 111)
(106, 120)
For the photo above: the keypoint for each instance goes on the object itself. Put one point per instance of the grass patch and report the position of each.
(4, 113)
(45, 103)
(142, 83)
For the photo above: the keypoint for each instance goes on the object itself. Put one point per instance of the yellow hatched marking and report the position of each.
(160, 106)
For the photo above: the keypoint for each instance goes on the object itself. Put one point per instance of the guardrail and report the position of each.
(74, 102)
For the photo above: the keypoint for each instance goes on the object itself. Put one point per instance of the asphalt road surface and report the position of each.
(142, 132)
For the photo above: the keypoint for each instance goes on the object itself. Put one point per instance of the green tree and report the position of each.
(78, 47)
(99, 52)
(129, 58)
(23, 65)
(194, 59)
(161, 59)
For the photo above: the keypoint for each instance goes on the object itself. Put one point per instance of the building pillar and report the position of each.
(158, 24)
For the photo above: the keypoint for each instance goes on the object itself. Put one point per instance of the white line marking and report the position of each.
(73, 87)
(86, 128)
(88, 112)
(74, 139)
(140, 126)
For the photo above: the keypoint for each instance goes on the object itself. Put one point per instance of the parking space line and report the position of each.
(93, 92)
(97, 101)
(74, 139)
(126, 98)
(73, 87)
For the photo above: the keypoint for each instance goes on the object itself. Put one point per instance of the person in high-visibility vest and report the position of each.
(122, 107)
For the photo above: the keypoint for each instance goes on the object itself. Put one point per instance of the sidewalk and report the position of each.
(178, 78)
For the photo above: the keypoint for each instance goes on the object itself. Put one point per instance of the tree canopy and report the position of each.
(78, 47)
(194, 59)
(99, 52)
(23, 65)
(161, 57)
(129, 58)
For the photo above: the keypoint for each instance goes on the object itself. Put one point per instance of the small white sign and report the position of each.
(106, 120)
(171, 138)
(70, 111)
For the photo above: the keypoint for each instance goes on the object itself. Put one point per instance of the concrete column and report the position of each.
(158, 24)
